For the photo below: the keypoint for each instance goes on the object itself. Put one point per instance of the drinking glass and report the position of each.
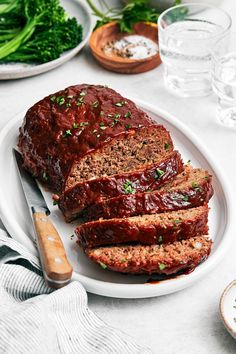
(224, 79)
(187, 34)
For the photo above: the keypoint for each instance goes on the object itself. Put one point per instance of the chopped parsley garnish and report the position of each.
(128, 187)
(177, 221)
(102, 126)
(55, 202)
(83, 124)
(206, 177)
(120, 104)
(128, 114)
(60, 100)
(103, 265)
(167, 146)
(102, 114)
(185, 198)
(128, 126)
(70, 97)
(195, 185)
(95, 104)
(162, 266)
(160, 239)
(44, 175)
(53, 98)
(67, 133)
(123, 260)
(188, 161)
(116, 117)
(80, 101)
(75, 125)
(68, 104)
(83, 93)
(158, 173)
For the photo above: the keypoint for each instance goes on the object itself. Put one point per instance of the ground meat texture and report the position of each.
(161, 259)
(195, 191)
(145, 229)
(124, 154)
(148, 177)
(67, 125)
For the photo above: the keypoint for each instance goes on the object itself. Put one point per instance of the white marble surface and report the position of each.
(187, 321)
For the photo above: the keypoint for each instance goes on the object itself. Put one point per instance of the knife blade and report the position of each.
(56, 268)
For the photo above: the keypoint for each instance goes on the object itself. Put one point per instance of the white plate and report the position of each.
(15, 216)
(75, 8)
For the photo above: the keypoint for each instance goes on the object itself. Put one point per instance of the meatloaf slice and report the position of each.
(124, 154)
(161, 259)
(67, 125)
(145, 229)
(148, 177)
(195, 191)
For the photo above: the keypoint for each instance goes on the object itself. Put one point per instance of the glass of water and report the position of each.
(187, 33)
(224, 79)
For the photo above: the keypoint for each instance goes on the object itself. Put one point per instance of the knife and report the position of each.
(56, 268)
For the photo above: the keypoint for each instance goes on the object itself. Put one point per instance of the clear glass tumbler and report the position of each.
(224, 79)
(187, 34)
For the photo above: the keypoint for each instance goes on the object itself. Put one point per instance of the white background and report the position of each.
(184, 322)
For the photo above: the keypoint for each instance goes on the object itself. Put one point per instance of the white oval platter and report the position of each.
(16, 218)
(75, 8)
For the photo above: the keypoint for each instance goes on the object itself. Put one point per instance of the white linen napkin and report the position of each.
(36, 319)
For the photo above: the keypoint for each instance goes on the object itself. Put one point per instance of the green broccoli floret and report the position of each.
(38, 14)
(49, 44)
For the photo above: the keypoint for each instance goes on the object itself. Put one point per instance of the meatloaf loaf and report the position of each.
(66, 126)
(162, 259)
(148, 177)
(145, 229)
(195, 191)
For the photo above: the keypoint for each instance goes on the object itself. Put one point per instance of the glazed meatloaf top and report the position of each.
(69, 124)
(160, 259)
(145, 229)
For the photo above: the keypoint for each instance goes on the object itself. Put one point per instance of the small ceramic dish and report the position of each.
(111, 32)
(228, 308)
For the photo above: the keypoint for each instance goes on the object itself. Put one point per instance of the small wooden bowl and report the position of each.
(110, 32)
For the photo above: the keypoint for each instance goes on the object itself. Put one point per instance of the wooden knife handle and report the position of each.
(57, 270)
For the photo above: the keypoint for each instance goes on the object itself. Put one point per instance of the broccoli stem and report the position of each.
(9, 6)
(21, 37)
(8, 34)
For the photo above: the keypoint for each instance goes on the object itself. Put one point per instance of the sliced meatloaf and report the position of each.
(195, 191)
(124, 154)
(148, 177)
(66, 126)
(145, 229)
(161, 259)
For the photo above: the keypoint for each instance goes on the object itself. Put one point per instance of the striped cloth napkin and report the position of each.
(35, 319)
